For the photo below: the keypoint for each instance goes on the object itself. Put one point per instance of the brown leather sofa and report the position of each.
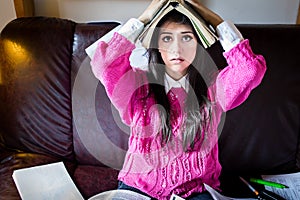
(53, 109)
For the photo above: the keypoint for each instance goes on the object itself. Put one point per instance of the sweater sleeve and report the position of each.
(110, 64)
(244, 72)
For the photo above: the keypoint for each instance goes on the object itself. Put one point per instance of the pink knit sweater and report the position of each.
(160, 170)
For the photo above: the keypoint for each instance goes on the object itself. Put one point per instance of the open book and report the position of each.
(205, 34)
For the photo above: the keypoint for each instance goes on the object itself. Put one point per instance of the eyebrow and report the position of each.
(184, 32)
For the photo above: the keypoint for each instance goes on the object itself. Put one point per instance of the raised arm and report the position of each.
(244, 72)
(112, 64)
(245, 69)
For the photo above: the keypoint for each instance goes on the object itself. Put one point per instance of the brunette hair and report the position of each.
(197, 105)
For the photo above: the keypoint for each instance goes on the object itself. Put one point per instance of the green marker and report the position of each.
(268, 183)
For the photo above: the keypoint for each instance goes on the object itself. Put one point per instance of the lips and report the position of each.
(177, 60)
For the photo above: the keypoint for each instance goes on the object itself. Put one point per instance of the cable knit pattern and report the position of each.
(160, 170)
(244, 72)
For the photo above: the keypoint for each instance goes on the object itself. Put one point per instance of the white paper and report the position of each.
(51, 182)
(217, 196)
(290, 180)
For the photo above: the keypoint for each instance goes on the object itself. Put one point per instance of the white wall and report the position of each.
(95, 10)
(239, 11)
(7, 10)
(257, 11)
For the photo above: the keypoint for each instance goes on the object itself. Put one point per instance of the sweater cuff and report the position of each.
(229, 35)
(131, 29)
(241, 51)
(90, 51)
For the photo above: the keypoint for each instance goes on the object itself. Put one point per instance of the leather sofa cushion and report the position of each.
(35, 102)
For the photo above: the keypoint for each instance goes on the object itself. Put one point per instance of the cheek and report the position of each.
(164, 55)
(190, 52)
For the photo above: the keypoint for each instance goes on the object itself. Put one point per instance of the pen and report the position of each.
(250, 187)
(268, 183)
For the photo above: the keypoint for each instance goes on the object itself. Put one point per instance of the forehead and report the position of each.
(175, 27)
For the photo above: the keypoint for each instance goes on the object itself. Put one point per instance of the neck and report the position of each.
(176, 75)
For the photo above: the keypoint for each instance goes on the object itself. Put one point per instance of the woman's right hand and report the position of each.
(151, 10)
(210, 16)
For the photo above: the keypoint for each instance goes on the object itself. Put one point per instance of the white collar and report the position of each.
(170, 82)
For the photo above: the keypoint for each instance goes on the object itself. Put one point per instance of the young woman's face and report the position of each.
(177, 45)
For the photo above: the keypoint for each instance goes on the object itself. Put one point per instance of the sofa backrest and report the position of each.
(263, 135)
(35, 84)
(43, 63)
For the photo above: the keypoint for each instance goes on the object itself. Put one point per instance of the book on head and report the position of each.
(206, 35)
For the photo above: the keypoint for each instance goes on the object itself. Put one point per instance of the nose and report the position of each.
(176, 47)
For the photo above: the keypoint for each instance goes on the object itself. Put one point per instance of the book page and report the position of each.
(147, 33)
(290, 180)
(207, 36)
(51, 182)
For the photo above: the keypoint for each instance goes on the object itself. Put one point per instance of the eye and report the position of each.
(187, 38)
(166, 38)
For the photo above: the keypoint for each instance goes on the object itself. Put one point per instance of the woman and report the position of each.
(173, 108)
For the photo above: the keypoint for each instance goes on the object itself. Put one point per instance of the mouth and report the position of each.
(177, 60)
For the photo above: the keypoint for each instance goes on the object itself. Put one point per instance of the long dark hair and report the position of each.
(197, 105)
